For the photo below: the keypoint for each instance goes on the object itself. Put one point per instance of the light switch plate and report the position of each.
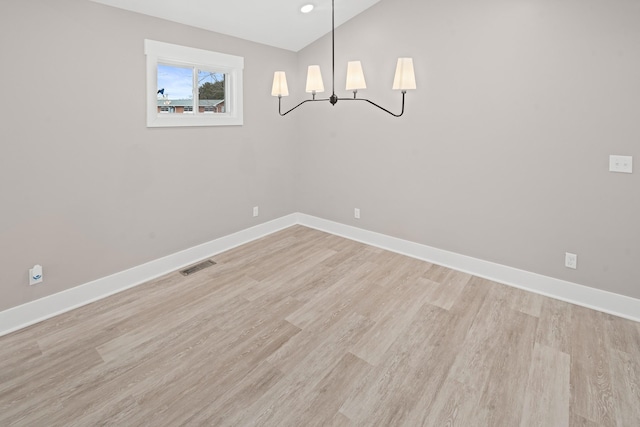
(620, 164)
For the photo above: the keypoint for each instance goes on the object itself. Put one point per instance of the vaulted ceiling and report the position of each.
(278, 23)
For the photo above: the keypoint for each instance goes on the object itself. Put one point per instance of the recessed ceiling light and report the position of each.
(306, 8)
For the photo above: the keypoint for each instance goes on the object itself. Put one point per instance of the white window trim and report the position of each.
(232, 66)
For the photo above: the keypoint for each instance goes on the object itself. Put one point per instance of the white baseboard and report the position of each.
(35, 311)
(44, 308)
(607, 302)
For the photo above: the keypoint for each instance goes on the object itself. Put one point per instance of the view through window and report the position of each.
(177, 86)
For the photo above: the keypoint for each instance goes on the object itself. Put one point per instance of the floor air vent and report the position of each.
(195, 268)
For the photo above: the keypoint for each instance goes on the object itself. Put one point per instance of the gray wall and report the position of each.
(86, 189)
(503, 152)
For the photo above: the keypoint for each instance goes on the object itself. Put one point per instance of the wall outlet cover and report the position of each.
(35, 274)
(570, 260)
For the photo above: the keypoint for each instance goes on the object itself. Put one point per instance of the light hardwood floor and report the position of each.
(303, 328)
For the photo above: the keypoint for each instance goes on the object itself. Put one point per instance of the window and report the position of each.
(192, 87)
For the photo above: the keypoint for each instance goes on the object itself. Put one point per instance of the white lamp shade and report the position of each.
(405, 77)
(355, 76)
(279, 87)
(314, 79)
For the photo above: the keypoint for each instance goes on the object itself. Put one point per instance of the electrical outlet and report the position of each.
(570, 260)
(35, 274)
(256, 211)
(356, 213)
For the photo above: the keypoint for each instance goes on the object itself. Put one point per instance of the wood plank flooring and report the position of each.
(303, 328)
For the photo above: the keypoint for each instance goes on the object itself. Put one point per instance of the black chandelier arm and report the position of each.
(340, 99)
(303, 102)
(376, 105)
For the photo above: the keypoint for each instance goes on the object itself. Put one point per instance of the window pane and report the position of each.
(175, 89)
(211, 92)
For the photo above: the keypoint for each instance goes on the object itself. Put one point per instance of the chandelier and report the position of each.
(404, 79)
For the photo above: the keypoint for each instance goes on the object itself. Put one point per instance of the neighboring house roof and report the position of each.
(188, 102)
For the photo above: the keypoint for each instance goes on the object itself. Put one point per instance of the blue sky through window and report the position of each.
(177, 81)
